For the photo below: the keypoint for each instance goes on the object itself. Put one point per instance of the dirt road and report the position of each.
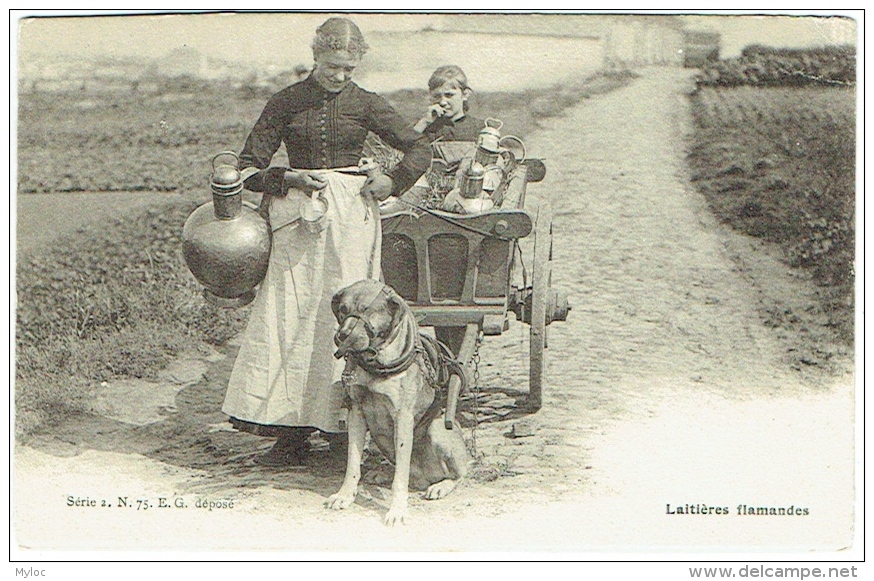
(664, 388)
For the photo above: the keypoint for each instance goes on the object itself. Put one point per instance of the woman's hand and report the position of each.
(378, 186)
(304, 181)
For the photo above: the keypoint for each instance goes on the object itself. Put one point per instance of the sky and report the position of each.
(740, 31)
(229, 36)
(240, 37)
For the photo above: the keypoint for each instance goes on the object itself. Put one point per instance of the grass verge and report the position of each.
(778, 163)
(113, 301)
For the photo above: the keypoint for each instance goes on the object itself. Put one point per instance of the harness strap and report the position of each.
(371, 361)
(435, 359)
(437, 364)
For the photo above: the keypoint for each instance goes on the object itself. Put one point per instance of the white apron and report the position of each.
(285, 373)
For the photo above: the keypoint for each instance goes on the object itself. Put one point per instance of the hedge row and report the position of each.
(769, 67)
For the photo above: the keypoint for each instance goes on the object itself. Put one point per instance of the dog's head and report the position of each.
(367, 312)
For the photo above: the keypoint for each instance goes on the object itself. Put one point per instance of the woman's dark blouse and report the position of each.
(323, 130)
(465, 129)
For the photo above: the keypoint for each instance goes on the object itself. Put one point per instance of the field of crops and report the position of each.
(146, 142)
(112, 301)
(779, 163)
(101, 142)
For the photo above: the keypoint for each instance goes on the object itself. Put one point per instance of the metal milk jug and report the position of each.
(226, 243)
(473, 199)
(488, 142)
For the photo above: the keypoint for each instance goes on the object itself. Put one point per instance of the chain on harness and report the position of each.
(475, 360)
(430, 351)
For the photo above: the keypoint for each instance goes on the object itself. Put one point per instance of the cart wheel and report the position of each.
(542, 275)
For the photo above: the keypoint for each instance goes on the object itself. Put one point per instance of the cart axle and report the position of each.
(557, 305)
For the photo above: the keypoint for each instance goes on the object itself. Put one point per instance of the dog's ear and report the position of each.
(335, 304)
(396, 306)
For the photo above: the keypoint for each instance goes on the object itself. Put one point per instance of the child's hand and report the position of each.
(433, 113)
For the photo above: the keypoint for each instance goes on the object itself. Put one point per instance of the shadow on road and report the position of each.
(196, 436)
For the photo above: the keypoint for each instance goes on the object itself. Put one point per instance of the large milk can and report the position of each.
(226, 243)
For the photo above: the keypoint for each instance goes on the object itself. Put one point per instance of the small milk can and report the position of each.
(488, 142)
(226, 243)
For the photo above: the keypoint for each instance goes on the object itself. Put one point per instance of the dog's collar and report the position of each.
(371, 360)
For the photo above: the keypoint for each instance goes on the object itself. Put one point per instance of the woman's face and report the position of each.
(334, 69)
(451, 99)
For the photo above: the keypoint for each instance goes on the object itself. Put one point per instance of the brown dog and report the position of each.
(392, 377)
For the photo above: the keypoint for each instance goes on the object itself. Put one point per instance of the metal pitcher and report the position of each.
(226, 243)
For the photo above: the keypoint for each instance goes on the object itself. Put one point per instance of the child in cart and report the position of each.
(452, 133)
(447, 118)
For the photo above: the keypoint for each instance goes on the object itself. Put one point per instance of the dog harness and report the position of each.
(434, 358)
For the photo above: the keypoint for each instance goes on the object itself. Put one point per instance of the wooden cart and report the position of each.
(464, 274)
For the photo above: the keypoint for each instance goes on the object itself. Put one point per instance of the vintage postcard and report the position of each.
(609, 305)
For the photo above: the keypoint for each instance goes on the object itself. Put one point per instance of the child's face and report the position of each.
(451, 99)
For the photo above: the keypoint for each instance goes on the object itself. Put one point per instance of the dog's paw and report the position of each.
(440, 489)
(340, 501)
(395, 516)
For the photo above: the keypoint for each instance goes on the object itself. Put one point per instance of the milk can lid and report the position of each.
(226, 175)
(477, 170)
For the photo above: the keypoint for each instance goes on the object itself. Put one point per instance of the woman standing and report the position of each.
(285, 381)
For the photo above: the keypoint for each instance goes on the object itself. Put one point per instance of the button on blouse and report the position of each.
(327, 130)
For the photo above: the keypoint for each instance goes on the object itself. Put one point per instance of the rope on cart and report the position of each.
(449, 220)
